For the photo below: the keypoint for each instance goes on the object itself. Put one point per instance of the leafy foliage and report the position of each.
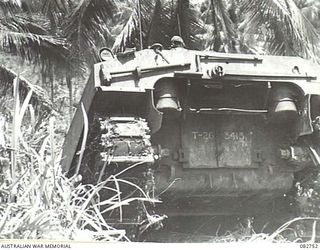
(186, 23)
(29, 38)
(226, 26)
(160, 20)
(283, 25)
(142, 14)
(54, 9)
(33, 47)
(223, 32)
(39, 99)
(10, 5)
(75, 29)
(86, 25)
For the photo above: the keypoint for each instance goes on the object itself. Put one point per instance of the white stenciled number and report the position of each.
(203, 135)
(234, 136)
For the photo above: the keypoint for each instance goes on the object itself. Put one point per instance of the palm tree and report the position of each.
(311, 10)
(157, 21)
(220, 27)
(278, 26)
(282, 25)
(62, 35)
(76, 24)
(58, 35)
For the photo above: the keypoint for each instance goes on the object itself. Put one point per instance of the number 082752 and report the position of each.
(309, 245)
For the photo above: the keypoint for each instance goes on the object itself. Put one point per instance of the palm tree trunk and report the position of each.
(179, 25)
(43, 79)
(52, 82)
(217, 40)
(140, 26)
(70, 87)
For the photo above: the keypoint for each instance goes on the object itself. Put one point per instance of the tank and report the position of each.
(205, 133)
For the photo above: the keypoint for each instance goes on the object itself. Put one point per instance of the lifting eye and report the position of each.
(157, 47)
(217, 71)
(105, 54)
(296, 70)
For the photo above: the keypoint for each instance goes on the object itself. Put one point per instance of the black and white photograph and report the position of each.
(159, 122)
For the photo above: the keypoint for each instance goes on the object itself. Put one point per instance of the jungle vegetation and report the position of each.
(47, 48)
(62, 37)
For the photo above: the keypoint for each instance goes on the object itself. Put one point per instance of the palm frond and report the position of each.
(10, 6)
(130, 34)
(39, 98)
(34, 47)
(186, 23)
(224, 19)
(311, 10)
(297, 35)
(222, 32)
(88, 23)
(55, 10)
(159, 22)
(36, 24)
(55, 6)
(156, 33)
(16, 2)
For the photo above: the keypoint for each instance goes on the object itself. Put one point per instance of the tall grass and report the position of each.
(40, 202)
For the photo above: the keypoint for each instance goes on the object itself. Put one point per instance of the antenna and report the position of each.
(140, 28)
(179, 25)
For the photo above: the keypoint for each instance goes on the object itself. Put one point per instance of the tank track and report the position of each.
(115, 143)
(122, 145)
(125, 139)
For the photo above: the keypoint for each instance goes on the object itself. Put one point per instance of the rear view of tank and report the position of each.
(204, 133)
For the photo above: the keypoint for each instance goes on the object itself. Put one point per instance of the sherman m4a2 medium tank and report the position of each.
(203, 132)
